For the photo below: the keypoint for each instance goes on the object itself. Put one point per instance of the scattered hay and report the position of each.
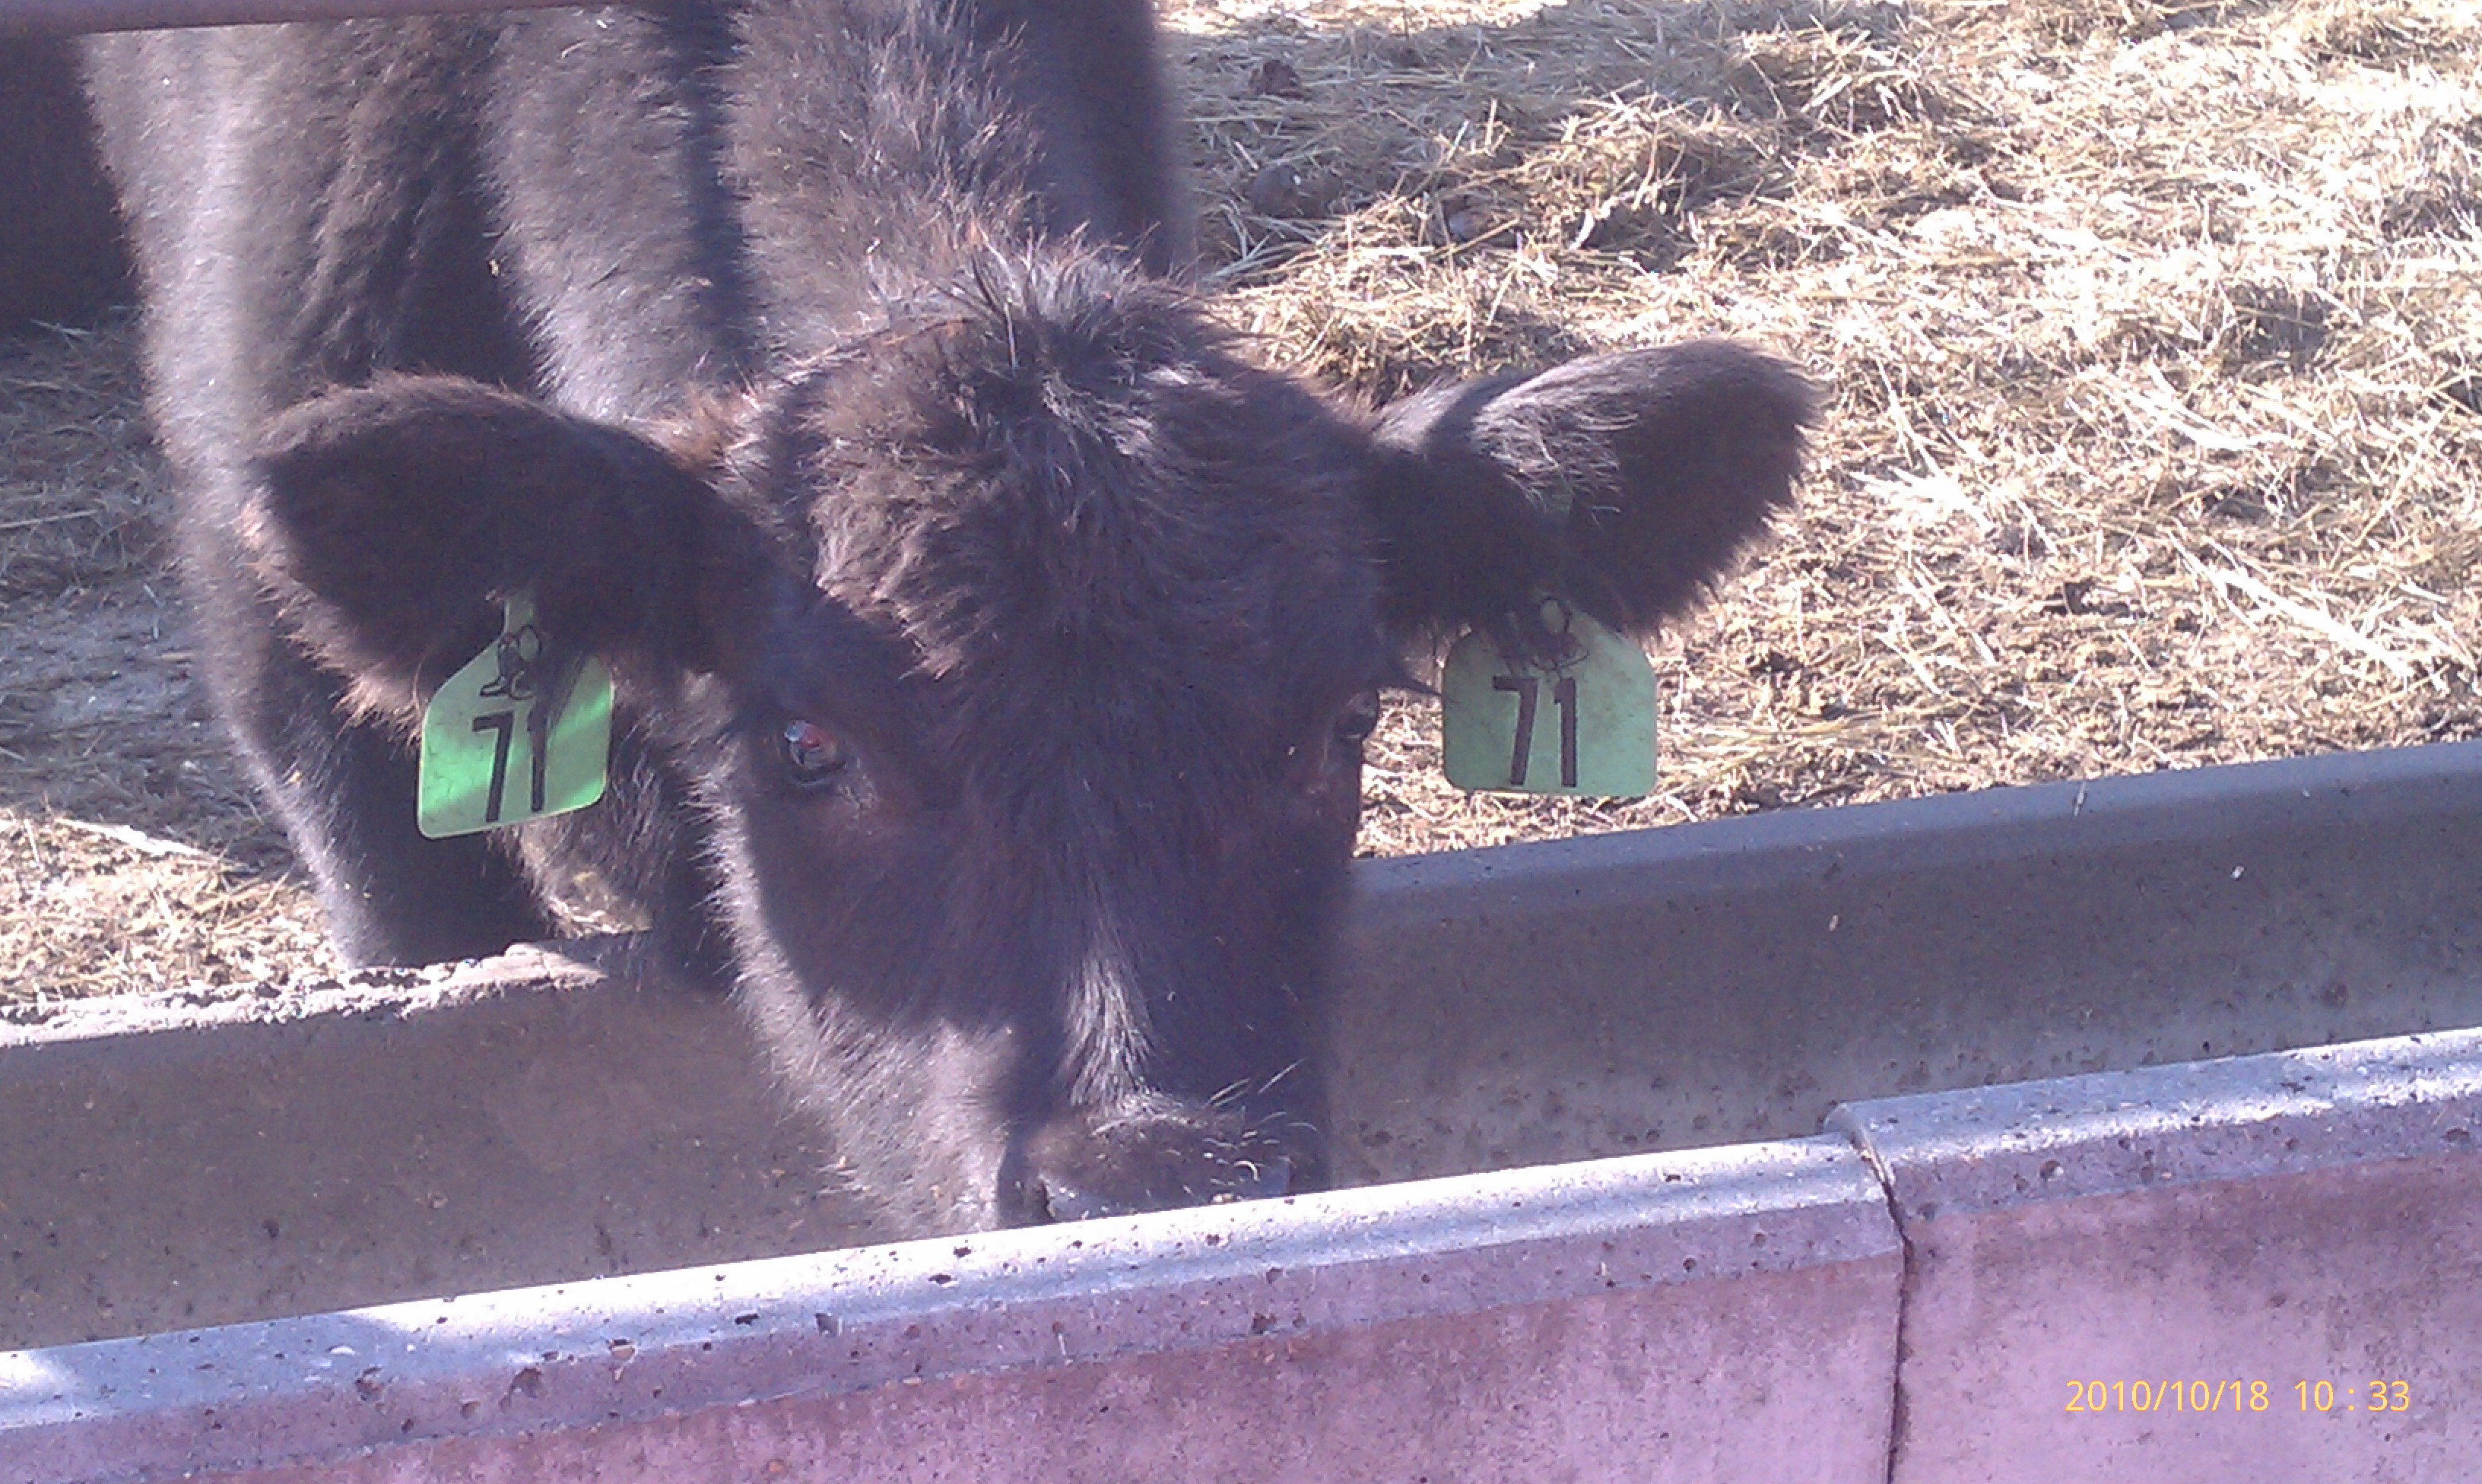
(131, 857)
(94, 911)
(2377, 32)
(75, 476)
(2152, 335)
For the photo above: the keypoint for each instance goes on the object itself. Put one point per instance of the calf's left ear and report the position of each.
(1624, 483)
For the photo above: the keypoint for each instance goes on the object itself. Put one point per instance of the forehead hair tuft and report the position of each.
(1063, 462)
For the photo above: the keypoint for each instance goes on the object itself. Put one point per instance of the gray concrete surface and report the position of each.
(1733, 980)
(2122, 1276)
(174, 1162)
(1709, 1316)
(210, 1159)
(2178, 1252)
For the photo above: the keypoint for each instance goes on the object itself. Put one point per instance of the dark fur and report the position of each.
(61, 258)
(823, 379)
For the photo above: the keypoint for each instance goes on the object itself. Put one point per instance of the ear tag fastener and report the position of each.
(522, 731)
(1584, 728)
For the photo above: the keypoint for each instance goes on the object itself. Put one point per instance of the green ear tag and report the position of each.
(1584, 728)
(521, 732)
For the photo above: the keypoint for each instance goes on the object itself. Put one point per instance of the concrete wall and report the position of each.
(2292, 1242)
(1668, 1317)
(1733, 980)
(2303, 1217)
(198, 1160)
(167, 1164)
(2140, 1276)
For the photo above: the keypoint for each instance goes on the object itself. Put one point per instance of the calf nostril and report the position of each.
(1059, 1201)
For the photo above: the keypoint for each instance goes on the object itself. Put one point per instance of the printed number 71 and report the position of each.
(505, 722)
(1564, 694)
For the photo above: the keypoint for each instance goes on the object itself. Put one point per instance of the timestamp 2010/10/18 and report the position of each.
(2236, 1396)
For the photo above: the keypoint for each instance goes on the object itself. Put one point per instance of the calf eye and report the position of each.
(1358, 719)
(813, 755)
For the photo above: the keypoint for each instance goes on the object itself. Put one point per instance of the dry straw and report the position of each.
(2152, 335)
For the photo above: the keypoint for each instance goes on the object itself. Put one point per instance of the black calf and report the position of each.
(993, 641)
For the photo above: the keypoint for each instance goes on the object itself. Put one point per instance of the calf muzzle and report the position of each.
(1160, 1156)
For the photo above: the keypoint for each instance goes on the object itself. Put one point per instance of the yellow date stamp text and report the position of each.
(2233, 1394)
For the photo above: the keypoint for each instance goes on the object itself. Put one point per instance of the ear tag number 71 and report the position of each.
(522, 731)
(1584, 728)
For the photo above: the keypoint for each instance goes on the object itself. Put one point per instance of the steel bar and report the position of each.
(68, 17)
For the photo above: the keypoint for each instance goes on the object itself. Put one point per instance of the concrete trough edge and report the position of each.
(523, 1361)
(526, 1360)
(306, 1389)
(1984, 826)
(2230, 1119)
(1723, 857)
(52, 1038)
(2194, 1252)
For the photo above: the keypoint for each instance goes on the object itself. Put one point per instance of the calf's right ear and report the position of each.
(392, 519)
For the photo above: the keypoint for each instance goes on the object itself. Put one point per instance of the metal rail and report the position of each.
(68, 17)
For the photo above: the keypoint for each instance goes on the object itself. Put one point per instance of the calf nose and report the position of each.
(1082, 1165)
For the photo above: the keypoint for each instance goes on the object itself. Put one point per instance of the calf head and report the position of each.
(1019, 657)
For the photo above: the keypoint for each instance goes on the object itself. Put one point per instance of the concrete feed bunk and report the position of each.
(1827, 1241)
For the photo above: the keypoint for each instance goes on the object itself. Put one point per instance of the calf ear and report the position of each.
(1624, 483)
(392, 518)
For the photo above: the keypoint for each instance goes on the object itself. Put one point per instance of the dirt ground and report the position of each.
(2151, 333)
